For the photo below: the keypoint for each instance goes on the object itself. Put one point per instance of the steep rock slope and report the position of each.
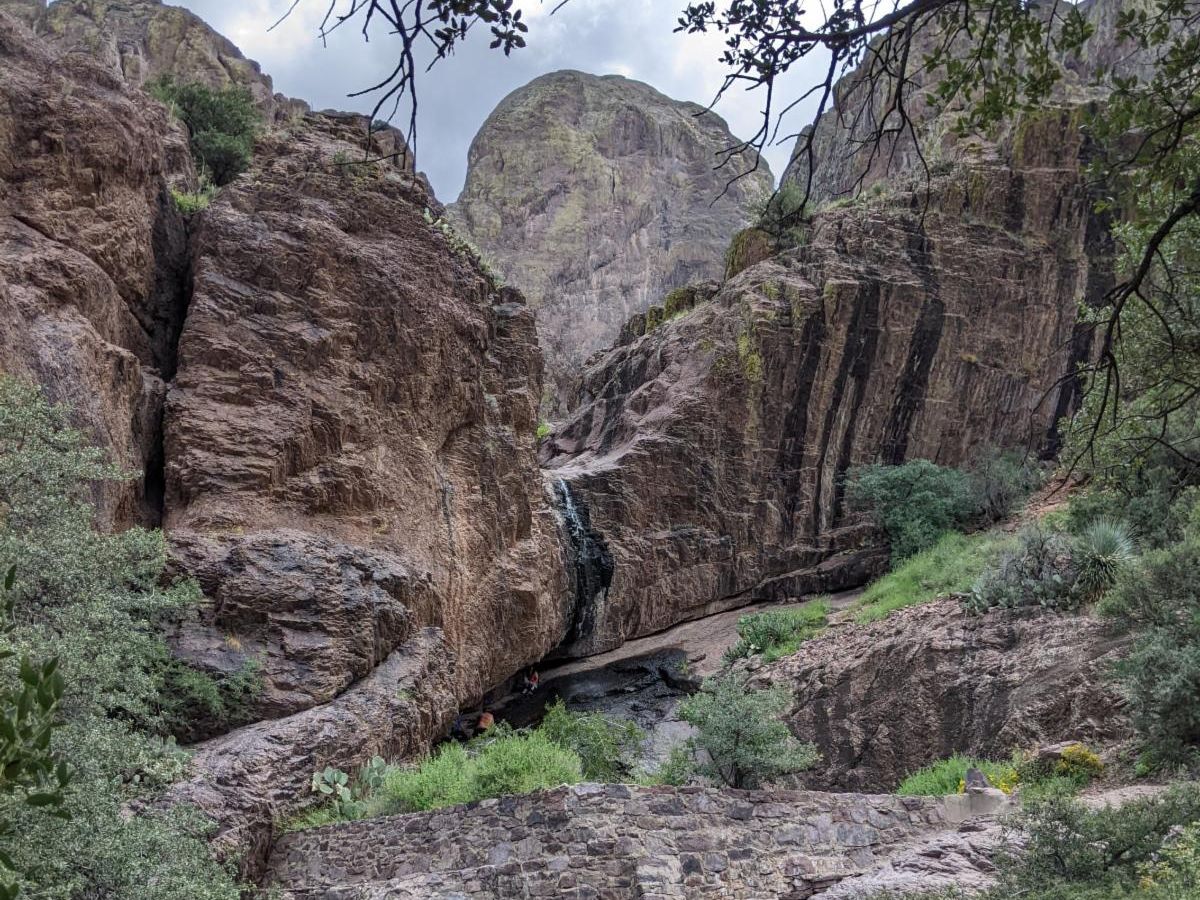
(843, 157)
(346, 458)
(146, 39)
(349, 438)
(710, 450)
(93, 254)
(881, 701)
(595, 196)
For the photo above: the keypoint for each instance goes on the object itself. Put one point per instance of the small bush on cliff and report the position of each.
(191, 202)
(779, 632)
(914, 503)
(95, 601)
(740, 734)
(605, 746)
(221, 123)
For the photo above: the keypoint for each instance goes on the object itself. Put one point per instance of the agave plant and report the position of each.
(1101, 551)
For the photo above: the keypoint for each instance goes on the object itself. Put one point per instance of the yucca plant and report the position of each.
(1101, 551)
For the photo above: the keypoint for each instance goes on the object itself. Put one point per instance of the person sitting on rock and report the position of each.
(529, 683)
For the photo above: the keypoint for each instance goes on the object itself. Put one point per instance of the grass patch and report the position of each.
(565, 749)
(1038, 779)
(778, 633)
(947, 776)
(948, 567)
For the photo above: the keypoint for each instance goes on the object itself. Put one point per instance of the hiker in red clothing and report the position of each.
(529, 683)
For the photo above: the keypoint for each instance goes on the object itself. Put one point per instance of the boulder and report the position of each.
(883, 700)
(596, 196)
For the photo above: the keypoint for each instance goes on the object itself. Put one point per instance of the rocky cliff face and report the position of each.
(334, 409)
(93, 254)
(595, 196)
(146, 39)
(881, 701)
(710, 448)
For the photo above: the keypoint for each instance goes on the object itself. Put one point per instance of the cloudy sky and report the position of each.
(627, 37)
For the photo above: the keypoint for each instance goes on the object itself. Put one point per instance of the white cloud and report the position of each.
(629, 37)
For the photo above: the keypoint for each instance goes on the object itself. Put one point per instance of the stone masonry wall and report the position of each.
(607, 841)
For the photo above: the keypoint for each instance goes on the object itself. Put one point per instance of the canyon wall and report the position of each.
(711, 445)
(330, 408)
(596, 195)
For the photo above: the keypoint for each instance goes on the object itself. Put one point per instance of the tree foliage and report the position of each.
(740, 739)
(221, 123)
(92, 600)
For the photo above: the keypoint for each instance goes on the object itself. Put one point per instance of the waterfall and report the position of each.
(592, 564)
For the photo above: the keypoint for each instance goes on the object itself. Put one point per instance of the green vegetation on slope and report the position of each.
(916, 502)
(566, 748)
(777, 633)
(95, 602)
(950, 566)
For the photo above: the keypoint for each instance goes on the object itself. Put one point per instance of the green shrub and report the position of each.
(222, 124)
(1160, 678)
(779, 215)
(948, 775)
(544, 430)
(951, 566)
(1040, 571)
(1071, 851)
(1101, 552)
(740, 735)
(914, 503)
(189, 203)
(1177, 864)
(779, 633)
(195, 705)
(1157, 500)
(524, 763)
(1162, 590)
(1001, 480)
(95, 601)
(676, 770)
(605, 746)
(445, 779)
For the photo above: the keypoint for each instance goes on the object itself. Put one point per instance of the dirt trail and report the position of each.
(702, 640)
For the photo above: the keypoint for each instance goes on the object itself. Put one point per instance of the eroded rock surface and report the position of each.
(596, 195)
(710, 449)
(346, 458)
(882, 700)
(93, 254)
(349, 437)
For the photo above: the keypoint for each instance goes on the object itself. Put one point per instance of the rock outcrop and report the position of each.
(843, 158)
(146, 39)
(710, 447)
(596, 195)
(344, 457)
(882, 700)
(93, 253)
(608, 841)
